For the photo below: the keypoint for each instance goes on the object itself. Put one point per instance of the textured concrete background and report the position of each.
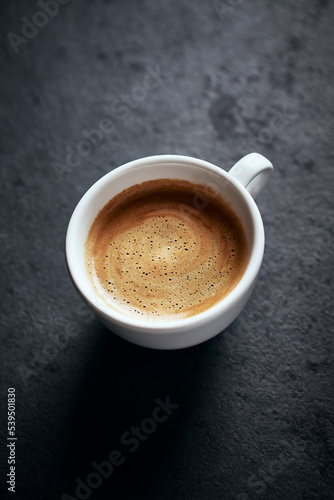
(255, 404)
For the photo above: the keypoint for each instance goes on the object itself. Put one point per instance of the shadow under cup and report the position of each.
(182, 332)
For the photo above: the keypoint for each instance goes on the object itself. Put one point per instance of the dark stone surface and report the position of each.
(255, 415)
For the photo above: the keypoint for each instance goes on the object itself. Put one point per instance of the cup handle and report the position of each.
(253, 171)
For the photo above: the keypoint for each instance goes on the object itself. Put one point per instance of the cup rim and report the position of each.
(163, 326)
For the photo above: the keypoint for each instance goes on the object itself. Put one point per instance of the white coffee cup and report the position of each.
(239, 187)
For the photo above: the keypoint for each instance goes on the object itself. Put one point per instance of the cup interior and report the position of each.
(152, 168)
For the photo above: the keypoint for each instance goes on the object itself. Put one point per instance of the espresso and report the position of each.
(165, 250)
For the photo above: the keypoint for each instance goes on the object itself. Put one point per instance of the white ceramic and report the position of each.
(239, 187)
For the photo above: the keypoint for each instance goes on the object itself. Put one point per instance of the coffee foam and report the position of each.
(151, 254)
